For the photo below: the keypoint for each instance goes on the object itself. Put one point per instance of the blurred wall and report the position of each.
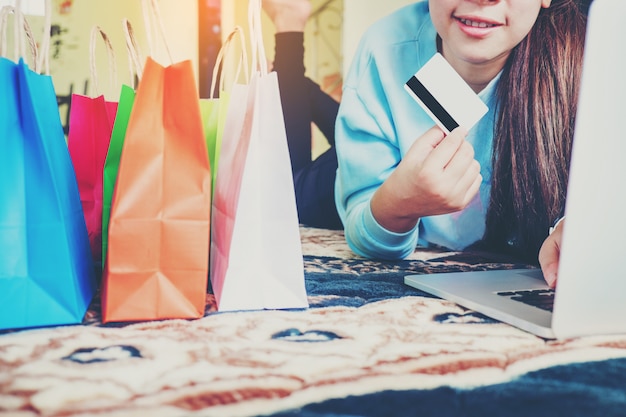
(357, 18)
(72, 21)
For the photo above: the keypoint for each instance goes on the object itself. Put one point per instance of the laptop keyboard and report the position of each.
(542, 298)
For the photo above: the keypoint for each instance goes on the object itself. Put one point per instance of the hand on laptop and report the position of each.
(549, 254)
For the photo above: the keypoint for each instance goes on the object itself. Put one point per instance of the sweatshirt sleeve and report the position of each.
(368, 152)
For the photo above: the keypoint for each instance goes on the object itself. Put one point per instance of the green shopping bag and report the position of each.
(112, 161)
(213, 110)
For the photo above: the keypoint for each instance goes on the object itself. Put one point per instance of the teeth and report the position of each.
(476, 24)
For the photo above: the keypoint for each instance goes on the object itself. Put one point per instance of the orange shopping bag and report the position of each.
(158, 242)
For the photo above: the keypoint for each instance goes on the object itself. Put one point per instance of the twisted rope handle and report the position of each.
(111, 55)
(18, 40)
(43, 61)
(152, 20)
(134, 54)
(243, 59)
(259, 58)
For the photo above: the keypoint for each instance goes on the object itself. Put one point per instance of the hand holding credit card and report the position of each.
(445, 96)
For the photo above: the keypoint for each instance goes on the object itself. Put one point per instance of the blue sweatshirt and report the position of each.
(378, 121)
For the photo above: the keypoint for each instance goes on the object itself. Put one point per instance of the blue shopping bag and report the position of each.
(46, 269)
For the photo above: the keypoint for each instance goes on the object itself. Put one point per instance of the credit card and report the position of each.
(445, 96)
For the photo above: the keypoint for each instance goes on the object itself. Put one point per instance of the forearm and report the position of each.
(388, 205)
(357, 182)
(368, 238)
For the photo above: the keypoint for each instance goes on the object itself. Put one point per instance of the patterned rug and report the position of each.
(367, 346)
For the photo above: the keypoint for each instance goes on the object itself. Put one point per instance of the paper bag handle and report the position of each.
(40, 56)
(259, 58)
(5, 11)
(92, 54)
(134, 54)
(219, 61)
(152, 19)
(43, 61)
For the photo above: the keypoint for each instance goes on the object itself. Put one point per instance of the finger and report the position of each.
(465, 191)
(424, 146)
(549, 254)
(432, 137)
(444, 152)
(550, 273)
(469, 185)
(461, 161)
(429, 140)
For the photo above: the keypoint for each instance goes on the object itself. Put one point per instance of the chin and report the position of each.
(475, 56)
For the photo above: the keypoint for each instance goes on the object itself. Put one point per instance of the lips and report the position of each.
(477, 27)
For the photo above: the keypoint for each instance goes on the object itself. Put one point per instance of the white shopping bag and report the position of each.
(256, 254)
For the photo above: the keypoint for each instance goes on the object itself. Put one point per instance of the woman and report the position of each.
(499, 186)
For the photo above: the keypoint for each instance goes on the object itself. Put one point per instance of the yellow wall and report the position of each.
(69, 52)
(356, 19)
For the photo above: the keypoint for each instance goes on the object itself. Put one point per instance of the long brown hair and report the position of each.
(537, 96)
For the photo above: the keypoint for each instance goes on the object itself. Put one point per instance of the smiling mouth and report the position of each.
(476, 24)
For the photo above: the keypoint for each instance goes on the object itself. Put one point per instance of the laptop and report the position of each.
(590, 297)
